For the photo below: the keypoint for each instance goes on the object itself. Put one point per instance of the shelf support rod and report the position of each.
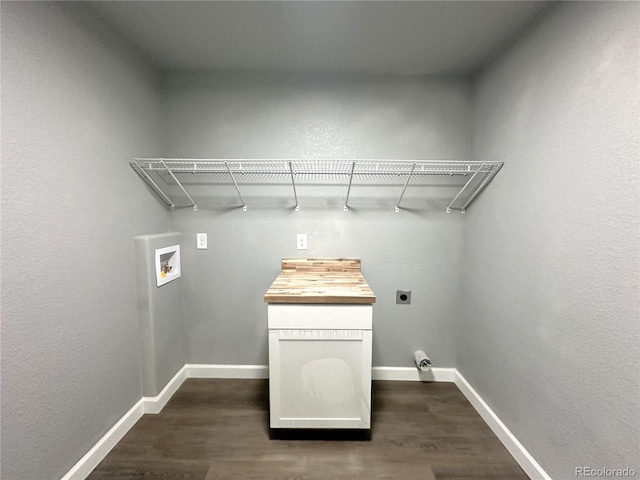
(235, 184)
(405, 187)
(346, 201)
(293, 182)
(157, 189)
(464, 188)
(484, 183)
(195, 207)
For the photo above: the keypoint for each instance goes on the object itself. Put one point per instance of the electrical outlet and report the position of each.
(403, 297)
(301, 241)
(201, 241)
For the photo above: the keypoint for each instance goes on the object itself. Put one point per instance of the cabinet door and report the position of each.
(320, 378)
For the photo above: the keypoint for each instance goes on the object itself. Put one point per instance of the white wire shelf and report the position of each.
(163, 175)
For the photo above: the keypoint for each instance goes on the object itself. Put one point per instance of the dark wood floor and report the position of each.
(219, 429)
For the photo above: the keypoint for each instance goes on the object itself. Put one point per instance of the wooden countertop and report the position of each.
(320, 280)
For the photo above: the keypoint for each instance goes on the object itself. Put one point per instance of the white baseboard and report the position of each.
(227, 371)
(262, 372)
(412, 374)
(85, 466)
(511, 443)
(153, 405)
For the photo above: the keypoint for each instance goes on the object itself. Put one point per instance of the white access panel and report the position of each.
(320, 372)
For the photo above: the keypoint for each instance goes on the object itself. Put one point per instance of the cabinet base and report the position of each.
(337, 434)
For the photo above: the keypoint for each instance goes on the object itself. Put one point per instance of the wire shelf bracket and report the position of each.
(235, 184)
(463, 210)
(195, 207)
(405, 187)
(293, 183)
(477, 191)
(346, 201)
(145, 176)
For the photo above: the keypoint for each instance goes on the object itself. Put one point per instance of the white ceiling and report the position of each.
(353, 37)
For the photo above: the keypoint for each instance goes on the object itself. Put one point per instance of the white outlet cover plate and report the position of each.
(301, 241)
(201, 241)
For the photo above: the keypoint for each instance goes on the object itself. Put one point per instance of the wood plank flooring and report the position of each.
(216, 429)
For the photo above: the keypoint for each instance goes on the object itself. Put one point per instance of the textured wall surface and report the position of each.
(162, 336)
(549, 306)
(75, 108)
(243, 116)
(550, 333)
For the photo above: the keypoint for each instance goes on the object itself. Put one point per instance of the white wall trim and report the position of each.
(154, 405)
(227, 371)
(412, 374)
(508, 439)
(262, 372)
(146, 405)
(85, 466)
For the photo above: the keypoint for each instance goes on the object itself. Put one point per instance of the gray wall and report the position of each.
(547, 331)
(75, 108)
(549, 336)
(245, 116)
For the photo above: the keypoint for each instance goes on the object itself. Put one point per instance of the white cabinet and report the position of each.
(320, 365)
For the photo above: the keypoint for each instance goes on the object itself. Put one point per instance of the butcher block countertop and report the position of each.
(320, 280)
